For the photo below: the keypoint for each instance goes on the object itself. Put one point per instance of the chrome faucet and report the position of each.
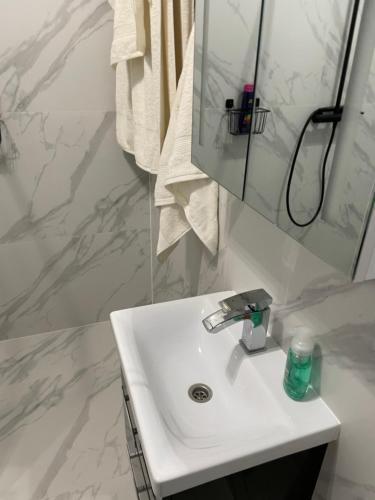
(251, 307)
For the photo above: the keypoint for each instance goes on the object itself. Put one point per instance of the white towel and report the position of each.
(187, 197)
(136, 23)
(147, 68)
(129, 38)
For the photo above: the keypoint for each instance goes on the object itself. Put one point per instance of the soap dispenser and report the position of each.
(298, 366)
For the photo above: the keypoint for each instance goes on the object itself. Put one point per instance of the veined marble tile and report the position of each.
(52, 52)
(270, 158)
(68, 176)
(62, 433)
(351, 185)
(75, 225)
(349, 181)
(301, 49)
(343, 489)
(309, 293)
(55, 283)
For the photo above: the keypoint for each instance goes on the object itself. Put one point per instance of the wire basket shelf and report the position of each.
(239, 121)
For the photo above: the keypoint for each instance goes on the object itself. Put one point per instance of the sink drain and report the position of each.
(200, 393)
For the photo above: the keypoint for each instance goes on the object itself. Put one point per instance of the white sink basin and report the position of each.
(164, 350)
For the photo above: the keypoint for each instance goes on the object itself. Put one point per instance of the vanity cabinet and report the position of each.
(137, 462)
(292, 477)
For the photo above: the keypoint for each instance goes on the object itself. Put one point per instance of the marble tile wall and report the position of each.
(308, 293)
(76, 240)
(75, 210)
(56, 441)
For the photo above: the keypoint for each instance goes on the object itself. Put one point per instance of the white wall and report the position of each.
(307, 292)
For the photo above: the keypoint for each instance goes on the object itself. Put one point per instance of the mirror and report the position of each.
(226, 41)
(300, 71)
(300, 67)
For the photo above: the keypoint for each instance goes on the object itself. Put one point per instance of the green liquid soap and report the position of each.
(298, 367)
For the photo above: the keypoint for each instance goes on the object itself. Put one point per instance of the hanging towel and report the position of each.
(147, 69)
(187, 197)
(137, 130)
(129, 38)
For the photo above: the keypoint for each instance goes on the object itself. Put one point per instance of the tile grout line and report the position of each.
(151, 238)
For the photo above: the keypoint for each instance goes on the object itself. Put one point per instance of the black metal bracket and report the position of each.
(330, 114)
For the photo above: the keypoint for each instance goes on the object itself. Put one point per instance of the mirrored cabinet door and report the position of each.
(299, 71)
(226, 41)
(308, 165)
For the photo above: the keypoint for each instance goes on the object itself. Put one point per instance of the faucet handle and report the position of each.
(256, 300)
